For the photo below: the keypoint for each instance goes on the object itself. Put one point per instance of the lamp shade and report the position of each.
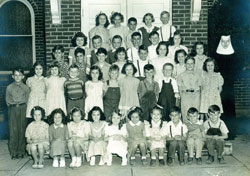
(225, 46)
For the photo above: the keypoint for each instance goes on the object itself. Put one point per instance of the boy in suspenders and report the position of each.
(176, 138)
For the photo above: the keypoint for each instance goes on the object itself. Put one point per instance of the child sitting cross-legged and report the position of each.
(176, 138)
(195, 137)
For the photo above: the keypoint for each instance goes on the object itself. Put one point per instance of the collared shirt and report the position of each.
(176, 130)
(17, 93)
(199, 62)
(220, 123)
(152, 51)
(133, 54)
(166, 31)
(137, 124)
(81, 129)
(149, 29)
(167, 80)
(129, 38)
(60, 126)
(105, 69)
(189, 80)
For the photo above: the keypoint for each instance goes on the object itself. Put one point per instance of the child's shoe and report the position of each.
(170, 161)
(132, 161)
(101, 163)
(190, 160)
(210, 159)
(182, 163)
(78, 161)
(92, 161)
(73, 163)
(62, 162)
(199, 161)
(221, 160)
(161, 162)
(124, 161)
(55, 163)
(153, 162)
(144, 162)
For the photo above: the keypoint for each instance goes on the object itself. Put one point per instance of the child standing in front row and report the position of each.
(112, 92)
(195, 138)
(17, 94)
(136, 135)
(156, 135)
(129, 88)
(55, 90)
(216, 131)
(116, 134)
(37, 134)
(168, 90)
(176, 138)
(97, 144)
(58, 136)
(94, 89)
(148, 91)
(79, 131)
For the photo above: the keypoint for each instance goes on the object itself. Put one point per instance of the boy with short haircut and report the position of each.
(195, 137)
(116, 43)
(102, 55)
(148, 91)
(166, 30)
(58, 56)
(97, 43)
(216, 132)
(141, 62)
(169, 92)
(81, 63)
(17, 94)
(177, 134)
(74, 89)
(132, 24)
(133, 51)
(154, 39)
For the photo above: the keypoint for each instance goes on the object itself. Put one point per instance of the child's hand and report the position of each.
(177, 95)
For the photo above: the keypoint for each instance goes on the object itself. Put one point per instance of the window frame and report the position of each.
(32, 15)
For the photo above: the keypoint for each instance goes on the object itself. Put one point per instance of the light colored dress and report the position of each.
(154, 130)
(172, 49)
(129, 97)
(80, 133)
(210, 93)
(38, 132)
(94, 92)
(37, 96)
(158, 63)
(55, 94)
(199, 62)
(119, 147)
(103, 33)
(179, 69)
(100, 147)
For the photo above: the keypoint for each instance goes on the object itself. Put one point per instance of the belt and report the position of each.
(191, 90)
(74, 99)
(17, 105)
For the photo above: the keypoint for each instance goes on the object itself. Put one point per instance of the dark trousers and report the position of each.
(174, 145)
(213, 144)
(17, 127)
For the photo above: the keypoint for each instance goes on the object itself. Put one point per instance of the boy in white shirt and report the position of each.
(166, 30)
(133, 51)
(154, 39)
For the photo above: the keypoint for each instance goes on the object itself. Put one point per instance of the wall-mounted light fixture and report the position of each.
(55, 7)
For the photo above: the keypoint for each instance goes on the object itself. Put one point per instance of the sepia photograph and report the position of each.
(125, 87)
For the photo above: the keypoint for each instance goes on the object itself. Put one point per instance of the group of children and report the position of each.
(131, 98)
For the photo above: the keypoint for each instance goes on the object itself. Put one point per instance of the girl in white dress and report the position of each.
(94, 89)
(116, 134)
(97, 144)
(55, 90)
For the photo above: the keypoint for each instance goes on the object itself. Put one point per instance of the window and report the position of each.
(17, 42)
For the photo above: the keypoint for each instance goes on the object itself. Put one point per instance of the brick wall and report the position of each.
(62, 34)
(191, 31)
(242, 96)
